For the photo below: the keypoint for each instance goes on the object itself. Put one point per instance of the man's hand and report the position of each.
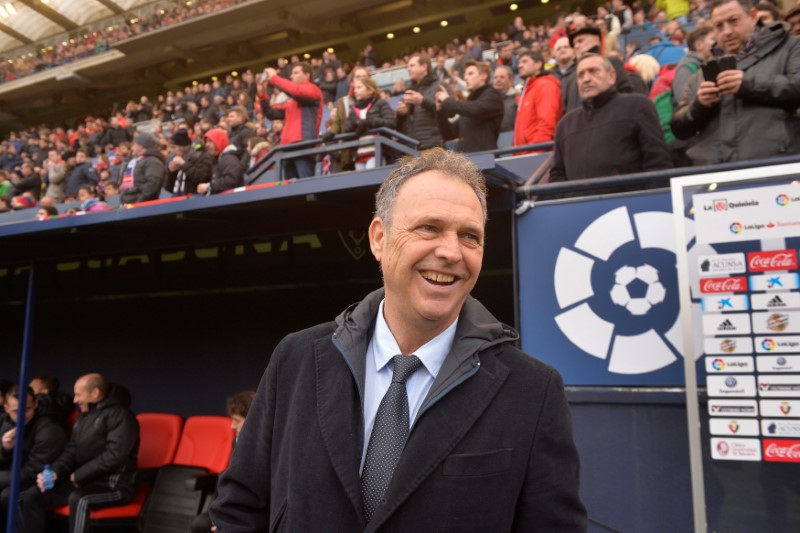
(708, 94)
(412, 97)
(8, 439)
(402, 108)
(441, 95)
(40, 480)
(176, 163)
(730, 81)
(270, 72)
(202, 188)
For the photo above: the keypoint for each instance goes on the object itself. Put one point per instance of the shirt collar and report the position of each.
(432, 353)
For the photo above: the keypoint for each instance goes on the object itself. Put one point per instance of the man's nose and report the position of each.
(449, 248)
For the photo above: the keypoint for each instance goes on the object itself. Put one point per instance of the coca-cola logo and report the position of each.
(773, 260)
(783, 451)
(732, 284)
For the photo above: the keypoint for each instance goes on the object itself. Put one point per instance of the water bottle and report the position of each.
(48, 477)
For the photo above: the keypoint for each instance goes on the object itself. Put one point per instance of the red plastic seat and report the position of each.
(207, 441)
(159, 434)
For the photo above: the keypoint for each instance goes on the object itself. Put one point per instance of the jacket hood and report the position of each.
(154, 152)
(219, 138)
(430, 79)
(118, 395)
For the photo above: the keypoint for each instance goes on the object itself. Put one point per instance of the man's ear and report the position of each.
(377, 238)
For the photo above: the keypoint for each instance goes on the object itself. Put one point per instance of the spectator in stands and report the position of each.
(10, 159)
(747, 112)
(540, 106)
(237, 407)
(416, 111)
(97, 467)
(611, 134)
(479, 117)
(328, 85)
(767, 13)
(5, 386)
(302, 114)
(120, 162)
(56, 173)
(369, 111)
(190, 166)
(506, 56)
(83, 174)
(565, 59)
(116, 134)
(44, 441)
(503, 82)
(399, 87)
(239, 131)
(588, 39)
(25, 180)
(700, 42)
(228, 172)
(623, 14)
(258, 148)
(90, 203)
(149, 172)
(793, 18)
(674, 9)
(369, 57)
(52, 401)
(46, 212)
(111, 188)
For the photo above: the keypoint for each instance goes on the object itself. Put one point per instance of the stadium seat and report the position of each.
(158, 441)
(182, 488)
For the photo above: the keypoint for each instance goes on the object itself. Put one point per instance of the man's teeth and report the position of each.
(438, 277)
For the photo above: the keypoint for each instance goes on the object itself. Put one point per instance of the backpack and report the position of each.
(665, 106)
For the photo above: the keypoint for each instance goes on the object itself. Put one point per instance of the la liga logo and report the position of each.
(768, 344)
(782, 200)
(718, 364)
(736, 228)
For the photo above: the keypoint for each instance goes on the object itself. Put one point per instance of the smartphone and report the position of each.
(263, 77)
(727, 63)
(711, 70)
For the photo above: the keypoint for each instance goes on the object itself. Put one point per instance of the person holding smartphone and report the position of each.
(742, 102)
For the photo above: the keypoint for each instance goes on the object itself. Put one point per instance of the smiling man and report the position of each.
(413, 410)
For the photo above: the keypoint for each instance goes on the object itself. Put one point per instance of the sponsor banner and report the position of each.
(782, 451)
(723, 304)
(733, 427)
(780, 408)
(776, 322)
(716, 265)
(785, 386)
(730, 346)
(738, 324)
(786, 344)
(731, 284)
(775, 301)
(778, 363)
(728, 449)
(727, 365)
(765, 261)
(731, 386)
(729, 408)
(747, 214)
(780, 428)
(774, 282)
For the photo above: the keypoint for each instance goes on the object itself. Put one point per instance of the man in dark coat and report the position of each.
(83, 174)
(228, 172)
(467, 455)
(239, 132)
(611, 133)
(416, 110)
(189, 167)
(44, 440)
(149, 174)
(97, 467)
(478, 124)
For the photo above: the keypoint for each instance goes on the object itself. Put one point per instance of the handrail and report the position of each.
(640, 178)
(535, 147)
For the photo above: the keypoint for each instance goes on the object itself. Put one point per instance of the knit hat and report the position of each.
(219, 138)
(590, 30)
(145, 140)
(181, 138)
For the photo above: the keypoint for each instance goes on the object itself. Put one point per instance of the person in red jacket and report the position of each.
(540, 105)
(301, 114)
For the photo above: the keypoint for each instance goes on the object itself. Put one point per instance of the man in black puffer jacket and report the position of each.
(228, 172)
(149, 174)
(416, 111)
(96, 468)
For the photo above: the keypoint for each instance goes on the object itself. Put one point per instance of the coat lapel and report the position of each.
(339, 415)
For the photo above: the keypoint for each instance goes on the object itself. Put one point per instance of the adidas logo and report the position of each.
(726, 325)
(776, 302)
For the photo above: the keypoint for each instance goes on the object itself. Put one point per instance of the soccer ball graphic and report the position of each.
(647, 276)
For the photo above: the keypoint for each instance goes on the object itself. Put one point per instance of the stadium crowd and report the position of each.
(627, 89)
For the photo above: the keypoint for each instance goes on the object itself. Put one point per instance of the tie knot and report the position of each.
(404, 366)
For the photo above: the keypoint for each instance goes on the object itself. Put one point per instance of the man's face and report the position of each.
(473, 78)
(795, 23)
(501, 80)
(731, 26)
(138, 149)
(234, 119)
(211, 147)
(298, 76)
(527, 67)
(416, 71)
(84, 396)
(83, 195)
(80, 157)
(37, 386)
(765, 17)
(584, 42)
(431, 254)
(703, 46)
(593, 78)
(563, 52)
(12, 408)
(237, 421)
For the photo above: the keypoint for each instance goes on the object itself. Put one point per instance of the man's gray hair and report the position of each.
(606, 63)
(451, 164)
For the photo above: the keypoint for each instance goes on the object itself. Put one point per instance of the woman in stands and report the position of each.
(368, 111)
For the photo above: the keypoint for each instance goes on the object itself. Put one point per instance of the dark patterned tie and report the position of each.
(389, 435)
